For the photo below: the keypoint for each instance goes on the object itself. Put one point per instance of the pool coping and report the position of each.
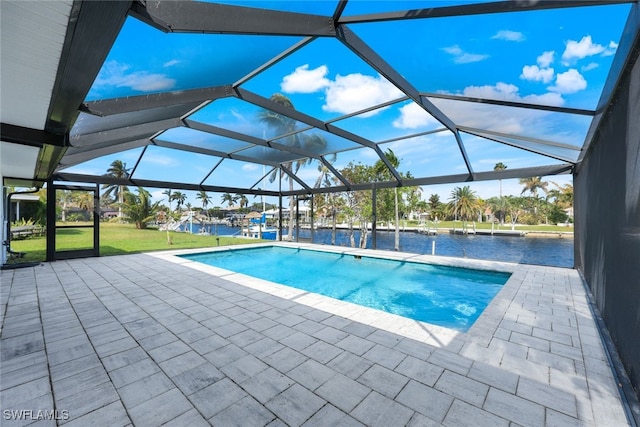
(486, 323)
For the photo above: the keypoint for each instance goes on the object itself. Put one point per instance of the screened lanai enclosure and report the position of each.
(261, 97)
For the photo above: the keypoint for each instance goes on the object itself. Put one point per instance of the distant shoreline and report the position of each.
(443, 230)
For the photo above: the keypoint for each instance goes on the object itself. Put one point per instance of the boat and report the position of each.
(257, 228)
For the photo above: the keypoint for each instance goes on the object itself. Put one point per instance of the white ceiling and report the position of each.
(18, 161)
(33, 33)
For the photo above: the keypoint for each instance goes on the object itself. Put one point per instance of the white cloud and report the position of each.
(546, 58)
(540, 72)
(501, 91)
(570, 81)
(578, 50)
(611, 49)
(345, 94)
(171, 63)
(159, 159)
(512, 36)
(413, 116)
(354, 92)
(115, 74)
(536, 74)
(589, 67)
(516, 121)
(249, 167)
(549, 98)
(462, 57)
(303, 80)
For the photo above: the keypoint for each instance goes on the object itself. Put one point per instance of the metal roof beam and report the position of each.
(128, 104)
(483, 132)
(203, 127)
(524, 147)
(477, 9)
(75, 156)
(144, 130)
(209, 152)
(105, 179)
(335, 172)
(295, 178)
(213, 18)
(448, 179)
(92, 30)
(371, 57)
(526, 105)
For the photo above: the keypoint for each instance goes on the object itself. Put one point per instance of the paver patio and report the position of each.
(153, 339)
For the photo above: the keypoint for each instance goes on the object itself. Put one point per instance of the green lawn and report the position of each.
(119, 239)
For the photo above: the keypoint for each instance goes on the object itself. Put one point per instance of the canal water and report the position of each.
(552, 251)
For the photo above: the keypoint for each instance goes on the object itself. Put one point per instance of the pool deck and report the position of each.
(154, 339)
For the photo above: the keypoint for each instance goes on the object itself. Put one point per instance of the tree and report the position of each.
(242, 200)
(515, 207)
(463, 203)
(138, 208)
(229, 199)
(168, 192)
(357, 204)
(117, 169)
(279, 124)
(532, 185)
(500, 167)
(180, 198)
(205, 199)
(327, 179)
(64, 197)
(383, 171)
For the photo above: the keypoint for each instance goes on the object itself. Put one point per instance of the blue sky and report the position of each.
(555, 57)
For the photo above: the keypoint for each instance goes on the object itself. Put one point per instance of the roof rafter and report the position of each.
(213, 18)
(476, 9)
(130, 104)
(360, 48)
(526, 105)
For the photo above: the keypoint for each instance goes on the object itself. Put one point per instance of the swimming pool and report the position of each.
(446, 296)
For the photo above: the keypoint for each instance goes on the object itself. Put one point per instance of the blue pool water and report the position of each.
(444, 296)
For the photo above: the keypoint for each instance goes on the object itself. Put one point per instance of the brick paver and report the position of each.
(151, 339)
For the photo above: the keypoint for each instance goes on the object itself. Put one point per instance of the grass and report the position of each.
(120, 239)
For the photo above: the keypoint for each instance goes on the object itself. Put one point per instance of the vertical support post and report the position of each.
(96, 221)
(51, 221)
(280, 206)
(280, 217)
(312, 219)
(374, 217)
(297, 220)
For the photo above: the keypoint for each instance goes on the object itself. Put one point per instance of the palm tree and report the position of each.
(180, 198)
(500, 167)
(228, 198)
(242, 200)
(327, 179)
(463, 203)
(381, 169)
(117, 169)
(532, 185)
(139, 208)
(168, 192)
(205, 198)
(65, 197)
(284, 125)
